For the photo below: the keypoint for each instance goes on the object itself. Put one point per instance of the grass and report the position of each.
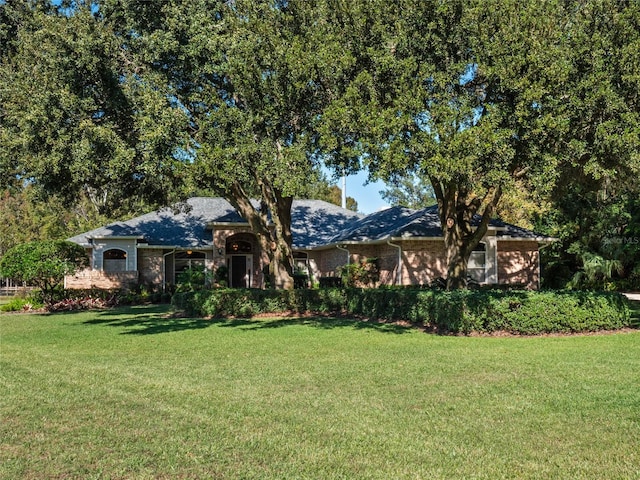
(130, 393)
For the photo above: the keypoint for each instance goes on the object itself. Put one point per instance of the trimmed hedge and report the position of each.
(463, 311)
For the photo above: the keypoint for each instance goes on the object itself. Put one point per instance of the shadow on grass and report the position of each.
(155, 320)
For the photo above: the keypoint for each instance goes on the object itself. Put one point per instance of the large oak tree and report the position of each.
(253, 79)
(478, 97)
(75, 121)
(127, 99)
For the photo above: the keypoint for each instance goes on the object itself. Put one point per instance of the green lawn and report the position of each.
(131, 393)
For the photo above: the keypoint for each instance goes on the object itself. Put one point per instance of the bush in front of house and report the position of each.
(225, 302)
(464, 311)
(529, 312)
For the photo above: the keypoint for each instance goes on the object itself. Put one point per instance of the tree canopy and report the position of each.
(43, 264)
(484, 98)
(74, 119)
(497, 104)
(252, 79)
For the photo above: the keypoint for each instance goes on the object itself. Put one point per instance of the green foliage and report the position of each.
(193, 278)
(25, 216)
(463, 311)
(43, 264)
(599, 243)
(221, 276)
(483, 108)
(252, 92)
(21, 304)
(76, 120)
(365, 273)
(113, 102)
(532, 313)
(410, 190)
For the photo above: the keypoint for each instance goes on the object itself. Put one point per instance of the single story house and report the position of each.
(154, 249)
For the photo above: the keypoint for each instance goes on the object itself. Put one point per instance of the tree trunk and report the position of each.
(271, 223)
(456, 258)
(457, 208)
(282, 255)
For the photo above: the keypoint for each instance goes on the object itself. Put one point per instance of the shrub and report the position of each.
(463, 311)
(86, 299)
(221, 276)
(193, 278)
(365, 273)
(21, 304)
(43, 264)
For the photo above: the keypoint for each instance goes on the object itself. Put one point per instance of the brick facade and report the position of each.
(223, 237)
(421, 261)
(519, 263)
(150, 266)
(99, 279)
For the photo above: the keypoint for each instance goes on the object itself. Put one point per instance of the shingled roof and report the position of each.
(401, 222)
(314, 224)
(188, 225)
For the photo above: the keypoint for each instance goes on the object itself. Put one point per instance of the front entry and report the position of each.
(240, 270)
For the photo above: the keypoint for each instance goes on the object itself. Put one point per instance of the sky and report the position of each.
(367, 196)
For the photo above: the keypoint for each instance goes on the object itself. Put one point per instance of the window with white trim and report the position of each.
(186, 260)
(114, 260)
(477, 266)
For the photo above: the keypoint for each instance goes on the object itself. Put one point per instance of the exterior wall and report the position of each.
(99, 279)
(423, 261)
(325, 263)
(150, 266)
(519, 263)
(387, 260)
(169, 269)
(156, 262)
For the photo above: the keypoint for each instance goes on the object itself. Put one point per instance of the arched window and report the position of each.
(114, 260)
(477, 265)
(239, 247)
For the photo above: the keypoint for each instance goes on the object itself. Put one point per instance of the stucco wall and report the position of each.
(518, 263)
